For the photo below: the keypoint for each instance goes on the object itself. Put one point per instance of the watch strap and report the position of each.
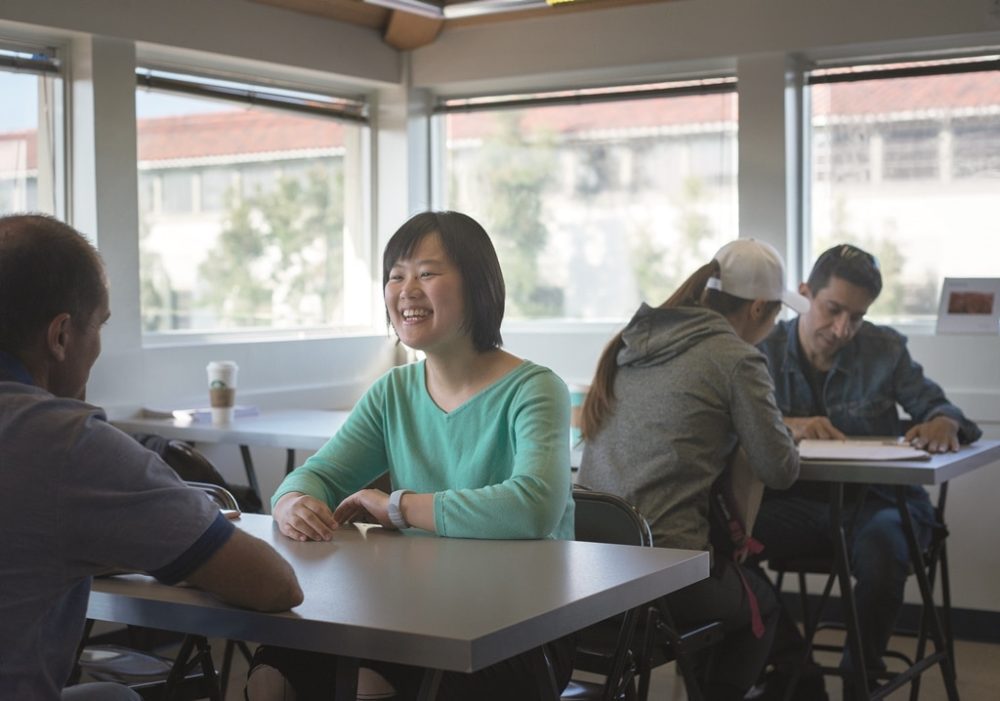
(395, 514)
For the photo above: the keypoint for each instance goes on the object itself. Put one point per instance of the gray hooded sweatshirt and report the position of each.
(688, 392)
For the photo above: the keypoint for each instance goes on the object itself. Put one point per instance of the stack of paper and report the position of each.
(859, 449)
(204, 414)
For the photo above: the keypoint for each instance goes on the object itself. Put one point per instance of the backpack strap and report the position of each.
(743, 544)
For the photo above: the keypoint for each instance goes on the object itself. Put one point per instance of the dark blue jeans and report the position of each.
(792, 527)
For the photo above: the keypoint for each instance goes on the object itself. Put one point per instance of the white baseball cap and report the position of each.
(751, 269)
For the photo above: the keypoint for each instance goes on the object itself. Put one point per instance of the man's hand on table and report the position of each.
(939, 435)
(813, 427)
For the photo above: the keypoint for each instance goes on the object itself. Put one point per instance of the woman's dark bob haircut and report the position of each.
(469, 248)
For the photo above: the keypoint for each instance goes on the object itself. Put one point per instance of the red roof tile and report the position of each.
(258, 131)
(237, 132)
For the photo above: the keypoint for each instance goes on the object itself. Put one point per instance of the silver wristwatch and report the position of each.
(395, 515)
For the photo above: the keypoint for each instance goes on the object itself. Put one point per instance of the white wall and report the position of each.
(757, 39)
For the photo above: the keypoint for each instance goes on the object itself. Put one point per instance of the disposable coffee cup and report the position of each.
(222, 390)
(577, 395)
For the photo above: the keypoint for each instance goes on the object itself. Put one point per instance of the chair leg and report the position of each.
(643, 668)
(74, 676)
(227, 662)
(684, 662)
(194, 651)
(803, 596)
(949, 637)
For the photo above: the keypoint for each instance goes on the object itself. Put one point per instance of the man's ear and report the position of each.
(57, 337)
(805, 291)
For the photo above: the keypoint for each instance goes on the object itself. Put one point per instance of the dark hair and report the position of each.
(601, 398)
(849, 263)
(468, 246)
(46, 268)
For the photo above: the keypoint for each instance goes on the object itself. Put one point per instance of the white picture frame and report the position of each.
(969, 305)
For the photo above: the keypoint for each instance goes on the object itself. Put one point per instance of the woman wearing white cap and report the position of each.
(676, 394)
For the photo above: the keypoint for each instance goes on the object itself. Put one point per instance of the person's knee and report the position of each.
(790, 527)
(880, 551)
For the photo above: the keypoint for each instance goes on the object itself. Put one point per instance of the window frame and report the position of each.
(704, 83)
(46, 62)
(352, 109)
(856, 69)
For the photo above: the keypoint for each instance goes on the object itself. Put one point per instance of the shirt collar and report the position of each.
(843, 361)
(13, 370)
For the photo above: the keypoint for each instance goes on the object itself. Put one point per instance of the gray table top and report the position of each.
(446, 603)
(939, 469)
(301, 429)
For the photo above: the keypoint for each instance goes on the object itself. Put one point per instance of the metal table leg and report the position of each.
(346, 685)
(927, 597)
(859, 677)
(429, 685)
(251, 474)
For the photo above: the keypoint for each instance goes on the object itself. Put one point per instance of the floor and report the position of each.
(978, 674)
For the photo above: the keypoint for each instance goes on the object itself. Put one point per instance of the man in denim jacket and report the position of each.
(837, 375)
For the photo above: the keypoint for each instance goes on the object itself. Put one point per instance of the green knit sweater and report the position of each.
(498, 465)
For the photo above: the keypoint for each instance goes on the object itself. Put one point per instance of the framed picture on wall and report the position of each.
(969, 305)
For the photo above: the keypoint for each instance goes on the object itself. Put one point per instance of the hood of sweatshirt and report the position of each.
(656, 336)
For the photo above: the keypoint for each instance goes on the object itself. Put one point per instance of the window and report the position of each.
(976, 144)
(245, 222)
(905, 163)
(31, 135)
(595, 199)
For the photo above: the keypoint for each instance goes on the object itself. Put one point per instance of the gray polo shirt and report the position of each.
(79, 498)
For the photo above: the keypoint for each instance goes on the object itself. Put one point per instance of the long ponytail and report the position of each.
(601, 398)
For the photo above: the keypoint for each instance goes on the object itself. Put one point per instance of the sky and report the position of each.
(19, 108)
(20, 101)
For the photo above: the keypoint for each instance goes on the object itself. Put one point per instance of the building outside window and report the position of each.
(905, 162)
(599, 199)
(31, 136)
(245, 218)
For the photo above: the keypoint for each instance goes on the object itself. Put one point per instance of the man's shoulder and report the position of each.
(774, 347)
(31, 413)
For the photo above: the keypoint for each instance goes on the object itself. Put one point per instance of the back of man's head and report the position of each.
(46, 268)
(849, 263)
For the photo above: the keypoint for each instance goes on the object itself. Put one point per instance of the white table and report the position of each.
(442, 603)
(938, 470)
(292, 429)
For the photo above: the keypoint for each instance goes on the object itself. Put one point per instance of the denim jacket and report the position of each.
(869, 377)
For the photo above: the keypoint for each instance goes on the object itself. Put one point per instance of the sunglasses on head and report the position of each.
(848, 253)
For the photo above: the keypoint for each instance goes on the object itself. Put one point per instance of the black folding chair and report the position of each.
(935, 559)
(625, 649)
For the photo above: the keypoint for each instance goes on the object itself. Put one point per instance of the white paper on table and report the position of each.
(814, 449)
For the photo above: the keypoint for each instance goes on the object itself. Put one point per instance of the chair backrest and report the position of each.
(606, 518)
(192, 466)
(220, 495)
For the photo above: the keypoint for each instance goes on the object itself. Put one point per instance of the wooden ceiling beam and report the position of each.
(406, 31)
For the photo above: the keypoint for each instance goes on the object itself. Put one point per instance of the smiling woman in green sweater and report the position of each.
(474, 439)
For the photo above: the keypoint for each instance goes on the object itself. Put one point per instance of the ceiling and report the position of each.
(421, 22)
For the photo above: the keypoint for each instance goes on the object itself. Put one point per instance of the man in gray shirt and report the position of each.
(79, 498)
